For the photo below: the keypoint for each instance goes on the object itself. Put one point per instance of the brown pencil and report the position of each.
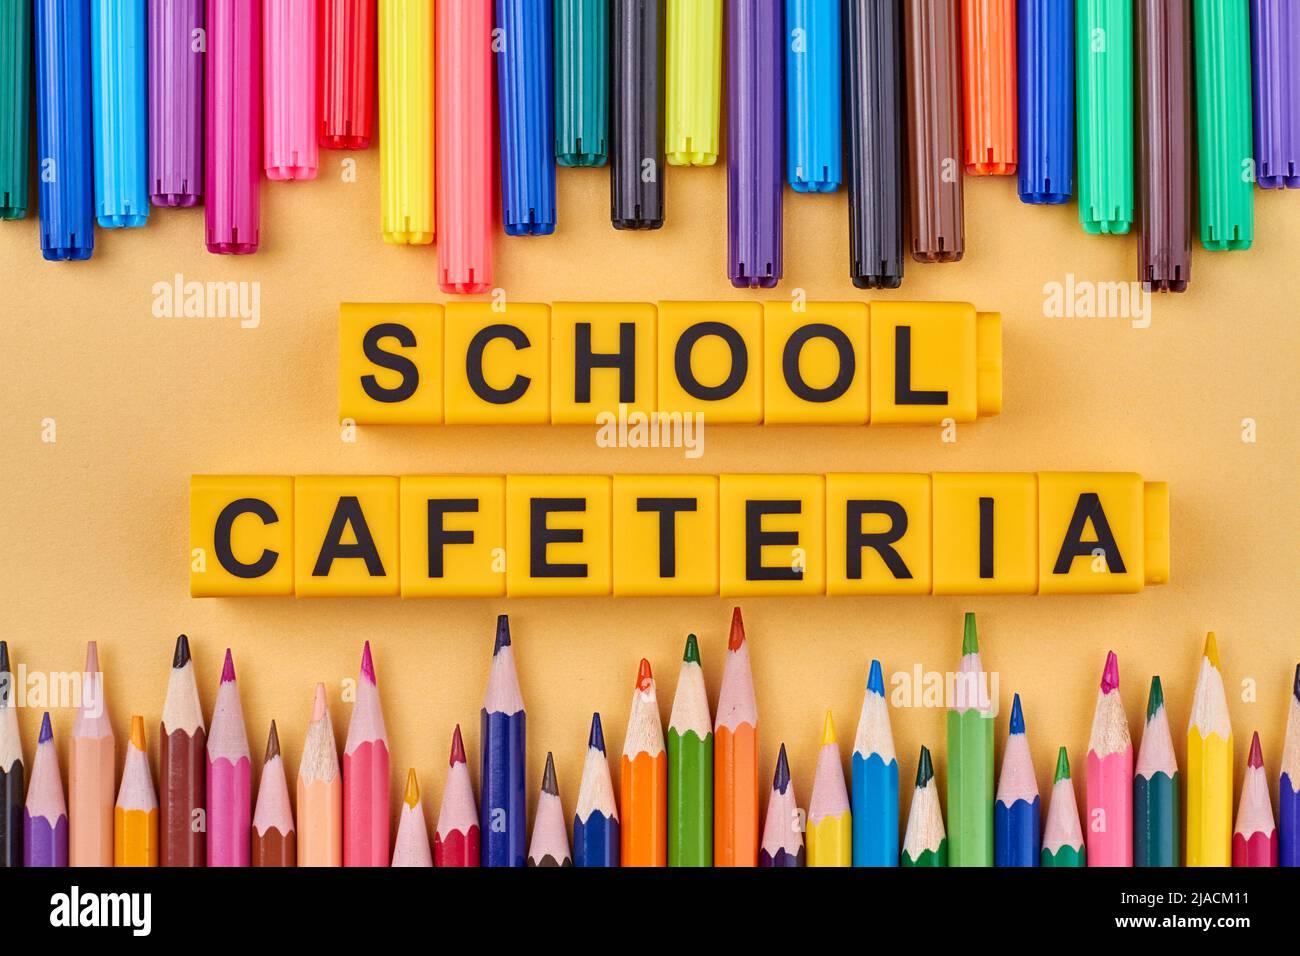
(274, 842)
(182, 763)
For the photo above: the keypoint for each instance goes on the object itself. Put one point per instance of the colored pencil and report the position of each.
(320, 791)
(290, 140)
(1104, 87)
(232, 172)
(1110, 776)
(735, 757)
(135, 816)
(503, 737)
(1164, 144)
(525, 110)
(175, 108)
(45, 816)
(636, 166)
(873, 141)
(1157, 836)
(1275, 60)
(229, 776)
(550, 845)
(988, 30)
(1289, 784)
(755, 85)
(643, 779)
(347, 73)
(15, 107)
(1254, 839)
(463, 145)
(1209, 766)
(92, 772)
(456, 839)
(933, 69)
(1063, 844)
(182, 766)
(406, 122)
(596, 837)
(925, 843)
(64, 123)
(273, 842)
(120, 100)
(11, 769)
(813, 153)
(581, 82)
(1045, 74)
(412, 845)
(970, 759)
(782, 827)
(694, 82)
(365, 775)
(830, 822)
(690, 766)
(1225, 145)
(1017, 814)
(875, 779)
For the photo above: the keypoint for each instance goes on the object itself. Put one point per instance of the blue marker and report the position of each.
(526, 106)
(119, 88)
(875, 780)
(1045, 36)
(1016, 814)
(64, 161)
(812, 83)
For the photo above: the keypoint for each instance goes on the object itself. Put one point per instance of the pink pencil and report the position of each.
(289, 144)
(1110, 776)
(365, 776)
(230, 772)
(1254, 841)
(92, 773)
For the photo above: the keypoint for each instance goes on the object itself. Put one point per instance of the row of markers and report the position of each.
(691, 799)
(184, 104)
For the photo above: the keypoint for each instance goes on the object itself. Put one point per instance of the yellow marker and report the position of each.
(694, 82)
(1209, 767)
(135, 818)
(830, 824)
(406, 121)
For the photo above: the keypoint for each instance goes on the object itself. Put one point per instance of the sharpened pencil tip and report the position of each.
(92, 657)
(596, 738)
(181, 656)
(1017, 716)
(1295, 689)
(924, 768)
(503, 634)
(1256, 758)
(272, 744)
(549, 783)
(367, 664)
(228, 668)
(1110, 673)
(692, 653)
(457, 747)
(1212, 650)
(643, 676)
(1156, 698)
(876, 679)
(781, 779)
(737, 636)
(970, 641)
(47, 732)
(4, 658)
(137, 732)
(411, 796)
(828, 729)
(318, 704)
(1062, 765)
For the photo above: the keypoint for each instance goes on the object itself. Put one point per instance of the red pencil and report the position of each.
(455, 842)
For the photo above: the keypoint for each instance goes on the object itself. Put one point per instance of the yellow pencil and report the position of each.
(830, 824)
(406, 121)
(1209, 767)
(135, 818)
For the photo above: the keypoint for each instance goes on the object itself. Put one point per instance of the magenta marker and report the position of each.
(176, 43)
(289, 78)
(232, 177)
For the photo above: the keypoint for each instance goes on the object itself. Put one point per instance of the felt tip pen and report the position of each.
(346, 60)
(290, 85)
(176, 60)
(120, 98)
(233, 172)
(526, 111)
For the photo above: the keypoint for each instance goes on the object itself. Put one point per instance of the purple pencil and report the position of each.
(233, 169)
(1275, 58)
(45, 818)
(755, 141)
(175, 102)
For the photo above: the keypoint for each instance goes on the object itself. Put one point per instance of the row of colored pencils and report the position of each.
(687, 798)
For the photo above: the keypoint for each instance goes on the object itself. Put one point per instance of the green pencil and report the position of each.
(690, 767)
(1155, 789)
(970, 759)
(925, 844)
(1104, 95)
(1062, 837)
(1224, 135)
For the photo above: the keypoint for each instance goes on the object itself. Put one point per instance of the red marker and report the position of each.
(346, 68)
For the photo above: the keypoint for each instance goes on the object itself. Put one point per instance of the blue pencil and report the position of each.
(595, 822)
(119, 93)
(812, 56)
(64, 155)
(525, 107)
(1289, 785)
(1045, 37)
(875, 780)
(502, 805)
(1017, 813)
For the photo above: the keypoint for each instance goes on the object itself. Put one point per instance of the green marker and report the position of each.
(1225, 152)
(15, 106)
(694, 82)
(925, 843)
(1062, 837)
(690, 767)
(581, 82)
(1104, 84)
(970, 759)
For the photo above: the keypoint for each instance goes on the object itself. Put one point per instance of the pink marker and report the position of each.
(233, 172)
(365, 776)
(1109, 823)
(289, 140)
(230, 771)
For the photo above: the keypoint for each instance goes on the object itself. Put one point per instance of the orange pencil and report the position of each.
(643, 779)
(988, 37)
(135, 818)
(735, 758)
(92, 772)
(320, 791)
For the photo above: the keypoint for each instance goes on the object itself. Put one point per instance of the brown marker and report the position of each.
(274, 842)
(932, 33)
(182, 767)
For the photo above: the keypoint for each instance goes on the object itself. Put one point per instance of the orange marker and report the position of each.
(643, 779)
(988, 37)
(735, 758)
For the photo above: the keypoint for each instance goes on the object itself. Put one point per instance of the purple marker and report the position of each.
(755, 141)
(1275, 60)
(176, 43)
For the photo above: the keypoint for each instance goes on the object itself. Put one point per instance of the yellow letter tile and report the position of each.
(557, 535)
(878, 534)
(618, 341)
(711, 360)
(815, 363)
(665, 535)
(497, 364)
(1006, 506)
(241, 535)
(390, 363)
(1091, 533)
(467, 557)
(772, 534)
(346, 536)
